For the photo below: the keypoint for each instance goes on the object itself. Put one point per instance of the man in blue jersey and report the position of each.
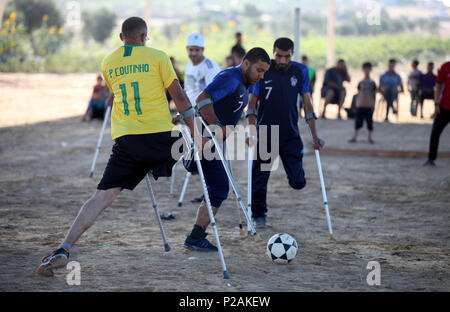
(277, 96)
(221, 104)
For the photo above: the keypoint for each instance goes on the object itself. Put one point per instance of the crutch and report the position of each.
(241, 228)
(155, 207)
(322, 184)
(249, 188)
(230, 177)
(100, 138)
(183, 191)
(192, 145)
(172, 182)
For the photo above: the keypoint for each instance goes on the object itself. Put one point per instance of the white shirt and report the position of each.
(197, 77)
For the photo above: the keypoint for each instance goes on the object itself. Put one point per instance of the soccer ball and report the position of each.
(281, 248)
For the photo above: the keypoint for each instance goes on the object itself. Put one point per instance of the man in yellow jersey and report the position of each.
(141, 126)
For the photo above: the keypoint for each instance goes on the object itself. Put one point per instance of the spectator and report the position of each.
(427, 84)
(333, 86)
(311, 72)
(179, 76)
(229, 61)
(237, 53)
(100, 85)
(413, 86)
(442, 111)
(96, 107)
(365, 103)
(238, 44)
(390, 85)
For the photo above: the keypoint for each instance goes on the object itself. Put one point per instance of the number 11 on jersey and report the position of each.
(137, 99)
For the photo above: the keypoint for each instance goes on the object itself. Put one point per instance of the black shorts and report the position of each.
(133, 156)
(97, 113)
(364, 113)
(426, 95)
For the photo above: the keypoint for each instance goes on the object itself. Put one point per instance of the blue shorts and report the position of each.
(216, 181)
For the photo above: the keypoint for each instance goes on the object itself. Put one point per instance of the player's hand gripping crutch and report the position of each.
(100, 138)
(230, 177)
(192, 145)
(322, 184)
(155, 207)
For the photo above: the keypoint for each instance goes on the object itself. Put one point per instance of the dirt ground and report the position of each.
(385, 209)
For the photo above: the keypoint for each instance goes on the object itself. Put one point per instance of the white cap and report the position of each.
(196, 40)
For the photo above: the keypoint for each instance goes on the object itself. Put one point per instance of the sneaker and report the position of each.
(353, 140)
(260, 222)
(429, 162)
(199, 244)
(371, 141)
(57, 259)
(198, 199)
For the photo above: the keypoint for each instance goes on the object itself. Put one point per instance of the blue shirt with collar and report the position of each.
(277, 93)
(230, 95)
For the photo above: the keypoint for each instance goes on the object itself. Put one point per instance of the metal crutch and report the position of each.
(100, 138)
(183, 191)
(190, 143)
(155, 207)
(230, 178)
(322, 184)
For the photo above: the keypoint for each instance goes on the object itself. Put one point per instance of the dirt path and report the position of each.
(390, 210)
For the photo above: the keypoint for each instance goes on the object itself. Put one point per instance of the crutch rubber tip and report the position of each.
(166, 247)
(180, 204)
(332, 237)
(256, 237)
(91, 175)
(226, 275)
(241, 231)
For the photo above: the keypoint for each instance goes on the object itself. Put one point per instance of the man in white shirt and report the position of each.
(199, 73)
(200, 70)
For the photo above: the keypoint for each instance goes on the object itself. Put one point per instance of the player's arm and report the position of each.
(252, 118)
(208, 114)
(310, 116)
(310, 119)
(183, 105)
(437, 96)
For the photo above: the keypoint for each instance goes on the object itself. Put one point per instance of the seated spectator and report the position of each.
(96, 107)
(333, 86)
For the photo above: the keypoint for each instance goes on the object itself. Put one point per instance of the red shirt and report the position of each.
(444, 78)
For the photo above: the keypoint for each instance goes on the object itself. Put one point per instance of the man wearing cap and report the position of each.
(200, 72)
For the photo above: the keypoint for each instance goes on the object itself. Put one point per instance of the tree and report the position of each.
(35, 12)
(99, 24)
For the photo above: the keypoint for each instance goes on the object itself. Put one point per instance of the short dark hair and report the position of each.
(367, 65)
(341, 61)
(304, 58)
(392, 61)
(132, 26)
(238, 50)
(430, 63)
(415, 62)
(257, 54)
(284, 44)
(238, 34)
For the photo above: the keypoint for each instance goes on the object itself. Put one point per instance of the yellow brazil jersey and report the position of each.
(138, 76)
